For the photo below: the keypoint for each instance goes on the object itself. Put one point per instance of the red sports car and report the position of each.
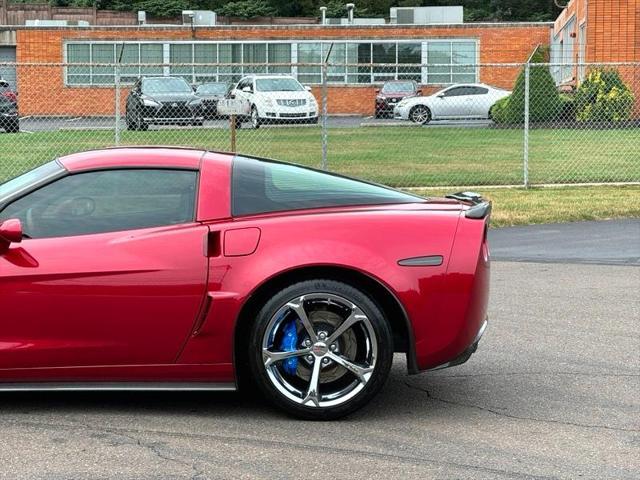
(181, 269)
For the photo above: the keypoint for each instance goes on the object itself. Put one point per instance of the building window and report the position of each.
(432, 61)
(451, 62)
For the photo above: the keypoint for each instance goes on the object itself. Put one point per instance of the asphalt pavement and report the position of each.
(31, 124)
(552, 392)
(613, 242)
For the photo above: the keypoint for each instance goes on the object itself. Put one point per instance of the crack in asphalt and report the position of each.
(516, 417)
(129, 433)
(198, 473)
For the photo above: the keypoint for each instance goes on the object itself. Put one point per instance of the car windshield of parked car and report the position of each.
(261, 186)
(278, 85)
(165, 85)
(398, 87)
(213, 89)
(24, 181)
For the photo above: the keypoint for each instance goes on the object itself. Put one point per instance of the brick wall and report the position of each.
(613, 33)
(42, 89)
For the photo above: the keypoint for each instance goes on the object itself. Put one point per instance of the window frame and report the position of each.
(64, 173)
(364, 75)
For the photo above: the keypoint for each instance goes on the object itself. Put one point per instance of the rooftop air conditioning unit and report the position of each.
(142, 17)
(425, 15)
(199, 18)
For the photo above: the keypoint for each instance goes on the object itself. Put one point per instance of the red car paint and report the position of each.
(161, 304)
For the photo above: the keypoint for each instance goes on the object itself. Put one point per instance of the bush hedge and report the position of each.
(544, 101)
(603, 97)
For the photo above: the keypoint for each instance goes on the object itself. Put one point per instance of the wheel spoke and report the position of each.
(355, 317)
(272, 357)
(363, 373)
(313, 393)
(298, 307)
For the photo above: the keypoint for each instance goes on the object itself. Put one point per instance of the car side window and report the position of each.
(106, 201)
(456, 92)
(478, 91)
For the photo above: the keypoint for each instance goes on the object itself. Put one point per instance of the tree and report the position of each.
(248, 9)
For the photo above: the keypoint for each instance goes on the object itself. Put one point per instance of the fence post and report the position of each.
(117, 107)
(324, 116)
(527, 75)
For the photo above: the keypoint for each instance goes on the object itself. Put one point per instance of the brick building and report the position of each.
(351, 89)
(592, 31)
(586, 31)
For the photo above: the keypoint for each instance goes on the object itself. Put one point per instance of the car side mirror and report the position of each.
(247, 89)
(440, 95)
(307, 88)
(10, 232)
(377, 90)
(418, 92)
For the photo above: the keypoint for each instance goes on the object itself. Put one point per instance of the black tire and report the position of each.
(13, 127)
(490, 116)
(364, 391)
(255, 118)
(420, 114)
(130, 125)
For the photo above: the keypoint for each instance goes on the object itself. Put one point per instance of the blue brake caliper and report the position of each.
(289, 343)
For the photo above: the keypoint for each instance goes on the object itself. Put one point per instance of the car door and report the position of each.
(112, 270)
(452, 103)
(479, 102)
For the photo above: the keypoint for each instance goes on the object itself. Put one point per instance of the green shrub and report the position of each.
(544, 100)
(567, 107)
(604, 97)
(499, 110)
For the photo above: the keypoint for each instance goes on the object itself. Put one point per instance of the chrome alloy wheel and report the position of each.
(331, 350)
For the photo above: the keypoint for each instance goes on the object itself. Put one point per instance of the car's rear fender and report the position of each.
(464, 296)
(371, 243)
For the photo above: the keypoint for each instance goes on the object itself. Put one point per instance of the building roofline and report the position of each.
(152, 27)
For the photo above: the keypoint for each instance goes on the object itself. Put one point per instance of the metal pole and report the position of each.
(527, 72)
(324, 116)
(117, 112)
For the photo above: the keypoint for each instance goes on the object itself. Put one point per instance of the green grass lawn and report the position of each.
(519, 206)
(396, 156)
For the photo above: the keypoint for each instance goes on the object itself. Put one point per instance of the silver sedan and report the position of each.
(461, 101)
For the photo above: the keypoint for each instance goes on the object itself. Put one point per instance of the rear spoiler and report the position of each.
(479, 207)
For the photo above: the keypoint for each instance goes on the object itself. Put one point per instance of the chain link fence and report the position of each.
(394, 124)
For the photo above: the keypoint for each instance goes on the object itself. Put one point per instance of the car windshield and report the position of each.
(32, 177)
(398, 87)
(213, 88)
(165, 85)
(278, 85)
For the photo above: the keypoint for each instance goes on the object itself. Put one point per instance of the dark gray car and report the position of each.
(211, 93)
(9, 120)
(162, 101)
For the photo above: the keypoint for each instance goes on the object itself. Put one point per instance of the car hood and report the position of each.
(210, 96)
(396, 95)
(287, 95)
(172, 97)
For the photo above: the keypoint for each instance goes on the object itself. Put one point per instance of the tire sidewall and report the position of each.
(380, 327)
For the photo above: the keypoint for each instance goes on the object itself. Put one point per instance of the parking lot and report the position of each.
(551, 393)
(51, 124)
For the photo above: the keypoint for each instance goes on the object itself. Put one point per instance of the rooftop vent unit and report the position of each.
(142, 17)
(425, 15)
(199, 18)
(356, 21)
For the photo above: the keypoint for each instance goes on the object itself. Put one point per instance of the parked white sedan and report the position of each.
(461, 101)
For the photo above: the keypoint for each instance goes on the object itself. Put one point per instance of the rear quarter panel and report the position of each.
(370, 242)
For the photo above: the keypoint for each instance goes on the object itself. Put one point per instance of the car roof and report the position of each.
(138, 157)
